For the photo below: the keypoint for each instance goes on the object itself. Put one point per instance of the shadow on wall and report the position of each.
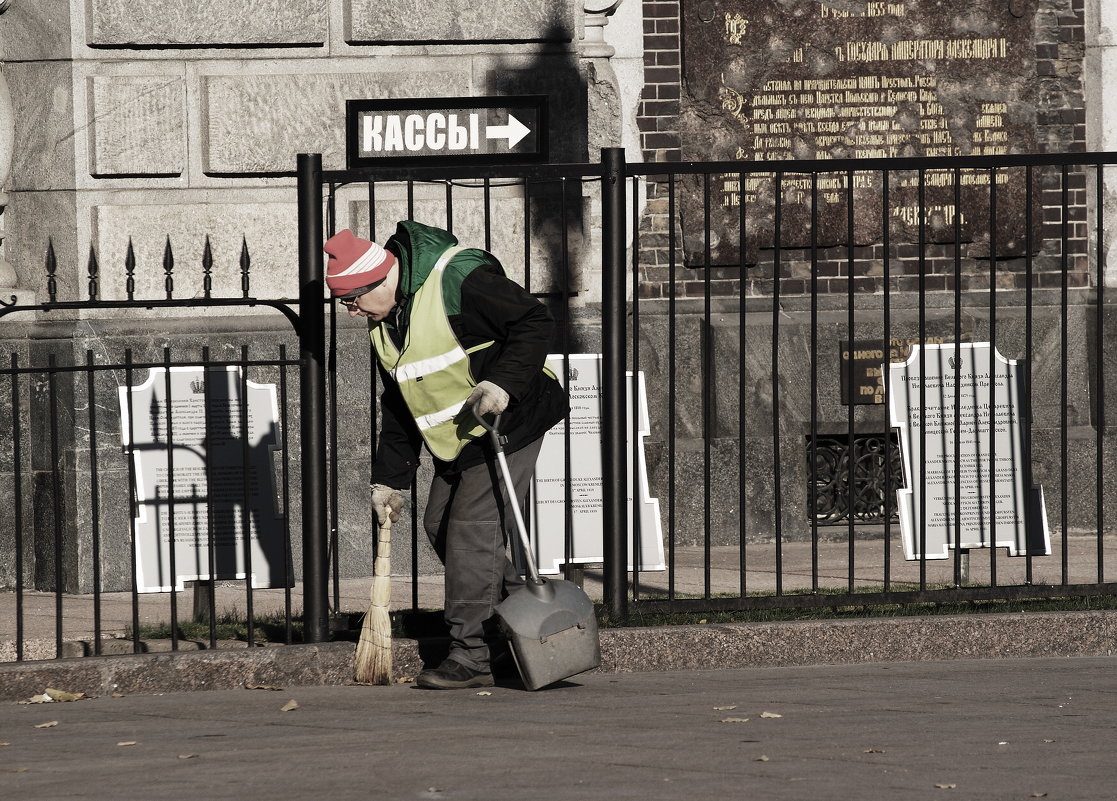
(553, 71)
(557, 215)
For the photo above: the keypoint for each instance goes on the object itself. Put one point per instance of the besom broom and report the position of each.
(373, 661)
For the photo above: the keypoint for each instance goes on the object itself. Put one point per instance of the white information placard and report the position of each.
(582, 378)
(959, 415)
(204, 444)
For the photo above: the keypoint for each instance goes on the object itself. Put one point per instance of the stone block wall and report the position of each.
(723, 409)
(139, 121)
(135, 120)
(147, 129)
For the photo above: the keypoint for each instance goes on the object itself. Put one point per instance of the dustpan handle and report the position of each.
(498, 446)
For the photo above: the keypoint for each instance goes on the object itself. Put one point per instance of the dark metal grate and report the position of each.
(873, 461)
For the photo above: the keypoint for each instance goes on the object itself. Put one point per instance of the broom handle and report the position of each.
(498, 445)
(380, 593)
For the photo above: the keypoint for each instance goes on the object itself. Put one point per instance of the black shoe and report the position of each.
(453, 675)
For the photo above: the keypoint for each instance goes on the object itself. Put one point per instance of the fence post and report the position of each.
(312, 353)
(614, 461)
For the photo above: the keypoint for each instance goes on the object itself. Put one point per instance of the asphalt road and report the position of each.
(997, 729)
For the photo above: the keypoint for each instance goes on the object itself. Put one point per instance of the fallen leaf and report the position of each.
(263, 687)
(1049, 741)
(287, 707)
(734, 720)
(405, 679)
(118, 695)
(46, 725)
(127, 742)
(3, 744)
(187, 756)
(761, 758)
(946, 786)
(484, 692)
(1039, 795)
(724, 708)
(874, 751)
(16, 770)
(770, 715)
(39, 699)
(703, 620)
(435, 789)
(62, 695)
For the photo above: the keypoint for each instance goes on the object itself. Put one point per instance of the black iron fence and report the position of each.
(769, 304)
(762, 302)
(536, 219)
(765, 305)
(105, 496)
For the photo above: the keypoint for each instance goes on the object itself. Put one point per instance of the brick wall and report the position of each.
(657, 119)
(659, 106)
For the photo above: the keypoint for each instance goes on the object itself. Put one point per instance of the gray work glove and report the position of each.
(386, 502)
(488, 398)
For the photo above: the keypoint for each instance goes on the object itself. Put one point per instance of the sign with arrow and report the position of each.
(446, 130)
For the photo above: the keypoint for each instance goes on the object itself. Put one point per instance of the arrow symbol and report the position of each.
(514, 131)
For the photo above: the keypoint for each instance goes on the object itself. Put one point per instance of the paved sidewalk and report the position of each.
(1008, 729)
(836, 572)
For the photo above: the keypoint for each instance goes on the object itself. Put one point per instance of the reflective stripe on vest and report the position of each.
(432, 370)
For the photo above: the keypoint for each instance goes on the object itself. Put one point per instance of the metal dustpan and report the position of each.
(549, 623)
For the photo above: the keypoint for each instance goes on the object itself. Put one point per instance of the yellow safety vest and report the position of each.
(432, 370)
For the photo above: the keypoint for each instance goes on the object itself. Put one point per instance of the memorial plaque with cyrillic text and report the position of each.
(780, 80)
(205, 496)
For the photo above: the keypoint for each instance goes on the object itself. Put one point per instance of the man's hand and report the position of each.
(488, 398)
(386, 502)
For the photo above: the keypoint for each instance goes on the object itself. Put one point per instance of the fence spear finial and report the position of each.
(93, 271)
(168, 269)
(52, 269)
(130, 271)
(245, 262)
(207, 269)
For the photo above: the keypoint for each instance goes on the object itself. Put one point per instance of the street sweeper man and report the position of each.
(453, 333)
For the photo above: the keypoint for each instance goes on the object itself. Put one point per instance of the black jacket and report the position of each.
(482, 305)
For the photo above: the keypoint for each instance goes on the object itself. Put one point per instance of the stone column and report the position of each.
(603, 121)
(8, 280)
(40, 185)
(1101, 111)
(597, 17)
(604, 111)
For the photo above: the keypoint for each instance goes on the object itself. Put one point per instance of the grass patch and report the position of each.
(420, 624)
(1088, 603)
(230, 625)
(233, 625)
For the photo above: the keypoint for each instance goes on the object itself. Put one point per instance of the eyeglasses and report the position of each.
(349, 303)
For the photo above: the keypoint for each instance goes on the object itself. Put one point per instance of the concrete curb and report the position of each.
(701, 647)
(900, 639)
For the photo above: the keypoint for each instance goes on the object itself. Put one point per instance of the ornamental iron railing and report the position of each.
(762, 303)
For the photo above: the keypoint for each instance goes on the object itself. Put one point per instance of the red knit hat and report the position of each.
(354, 263)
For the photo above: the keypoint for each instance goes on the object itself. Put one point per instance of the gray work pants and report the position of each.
(470, 525)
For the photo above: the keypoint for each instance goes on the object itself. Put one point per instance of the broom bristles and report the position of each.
(373, 661)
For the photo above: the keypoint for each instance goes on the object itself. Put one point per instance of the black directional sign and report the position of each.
(447, 130)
